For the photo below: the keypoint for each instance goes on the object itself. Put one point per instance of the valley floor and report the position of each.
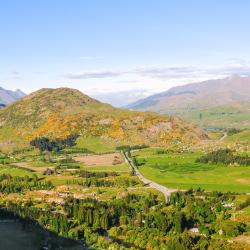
(97, 198)
(180, 171)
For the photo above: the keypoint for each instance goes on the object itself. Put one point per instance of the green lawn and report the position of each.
(180, 171)
(96, 144)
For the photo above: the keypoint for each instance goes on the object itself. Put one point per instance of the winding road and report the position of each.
(166, 191)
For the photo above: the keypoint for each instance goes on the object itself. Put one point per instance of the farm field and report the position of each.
(65, 176)
(180, 171)
(95, 144)
(100, 160)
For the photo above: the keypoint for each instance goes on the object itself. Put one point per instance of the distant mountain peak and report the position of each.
(199, 96)
(9, 96)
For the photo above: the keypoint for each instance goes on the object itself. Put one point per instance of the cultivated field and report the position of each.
(66, 176)
(100, 160)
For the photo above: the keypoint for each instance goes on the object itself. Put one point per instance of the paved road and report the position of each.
(166, 191)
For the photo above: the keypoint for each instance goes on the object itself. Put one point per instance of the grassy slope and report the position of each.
(243, 136)
(14, 171)
(60, 112)
(235, 115)
(181, 171)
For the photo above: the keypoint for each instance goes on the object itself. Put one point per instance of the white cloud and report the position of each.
(125, 86)
(168, 72)
(91, 75)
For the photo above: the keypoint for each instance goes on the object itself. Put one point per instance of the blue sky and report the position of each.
(134, 47)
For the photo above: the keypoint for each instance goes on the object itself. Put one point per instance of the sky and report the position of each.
(119, 51)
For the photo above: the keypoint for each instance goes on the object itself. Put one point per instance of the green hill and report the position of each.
(56, 113)
(241, 137)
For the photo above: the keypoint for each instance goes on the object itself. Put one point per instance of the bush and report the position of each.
(161, 151)
(244, 204)
(233, 131)
(233, 229)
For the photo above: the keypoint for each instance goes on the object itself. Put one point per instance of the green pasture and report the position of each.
(182, 172)
(243, 136)
(96, 144)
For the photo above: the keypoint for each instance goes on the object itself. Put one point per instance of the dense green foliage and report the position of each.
(138, 222)
(15, 184)
(224, 156)
(233, 131)
(96, 182)
(45, 144)
(88, 174)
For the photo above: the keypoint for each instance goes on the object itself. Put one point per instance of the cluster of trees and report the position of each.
(140, 221)
(45, 144)
(232, 228)
(233, 131)
(96, 182)
(244, 204)
(225, 156)
(88, 174)
(15, 184)
(71, 166)
(92, 182)
(161, 151)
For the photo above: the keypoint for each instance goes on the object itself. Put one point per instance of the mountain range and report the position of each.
(213, 103)
(59, 112)
(9, 96)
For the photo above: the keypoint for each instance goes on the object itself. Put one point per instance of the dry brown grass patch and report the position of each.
(100, 160)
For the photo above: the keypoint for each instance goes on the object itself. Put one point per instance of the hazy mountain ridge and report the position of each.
(9, 96)
(197, 97)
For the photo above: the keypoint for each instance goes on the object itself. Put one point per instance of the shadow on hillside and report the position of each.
(17, 233)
